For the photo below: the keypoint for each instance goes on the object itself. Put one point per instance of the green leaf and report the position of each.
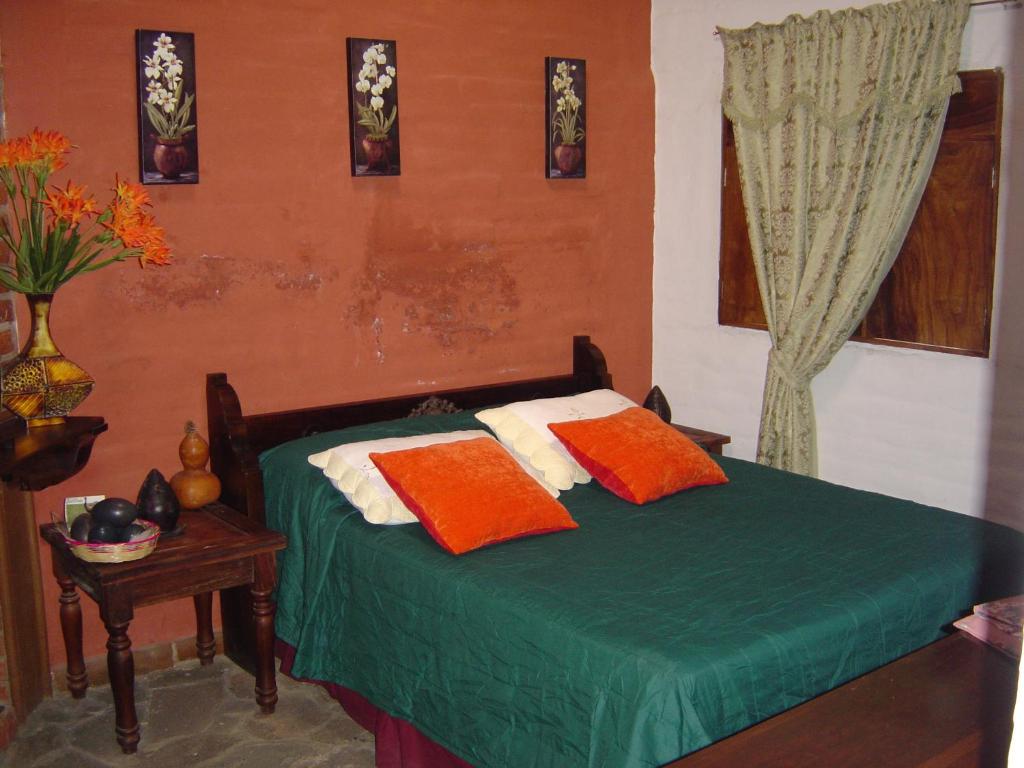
(36, 241)
(158, 121)
(8, 239)
(55, 276)
(51, 253)
(181, 114)
(11, 283)
(22, 259)
(10, 278)
(93, 266)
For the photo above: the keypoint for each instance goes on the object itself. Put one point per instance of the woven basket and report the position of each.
(115, 553)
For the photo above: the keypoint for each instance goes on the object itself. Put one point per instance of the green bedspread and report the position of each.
(645, 634)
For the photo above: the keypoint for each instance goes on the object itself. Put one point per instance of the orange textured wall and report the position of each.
(307, 285)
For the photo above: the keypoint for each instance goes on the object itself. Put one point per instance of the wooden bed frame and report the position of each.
(237, 439)
(892, 701)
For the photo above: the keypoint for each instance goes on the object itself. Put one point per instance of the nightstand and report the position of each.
(220, 548)
(711, 442)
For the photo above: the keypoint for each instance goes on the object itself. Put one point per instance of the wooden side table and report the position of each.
(711, 442)
(220, 548)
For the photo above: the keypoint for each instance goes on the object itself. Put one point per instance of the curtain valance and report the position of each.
(909, 64)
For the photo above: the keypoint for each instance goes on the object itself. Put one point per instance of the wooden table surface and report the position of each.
(711, 442)
(948, 704)
(179, 566)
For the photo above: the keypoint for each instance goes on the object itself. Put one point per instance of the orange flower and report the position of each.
(156, 254)
(130, 195)
(49, 147)
(41, 151)
(137, 229)
(70, 204)
(58, 245)
(141, 233)
(16, 152)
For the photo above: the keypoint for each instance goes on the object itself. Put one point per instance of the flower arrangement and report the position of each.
(375, 77)
(565, 125)
(169, 110)
(58, 233)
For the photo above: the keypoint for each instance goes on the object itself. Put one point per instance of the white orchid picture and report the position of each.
(373, 107)
(167, 107)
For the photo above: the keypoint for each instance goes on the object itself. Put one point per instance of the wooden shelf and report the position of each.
(34, 459)
(31, 460)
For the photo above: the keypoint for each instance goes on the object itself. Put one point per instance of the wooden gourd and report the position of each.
(194, 485)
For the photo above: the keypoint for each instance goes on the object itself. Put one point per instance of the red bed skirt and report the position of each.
(399, 744)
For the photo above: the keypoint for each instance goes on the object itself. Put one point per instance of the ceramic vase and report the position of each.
(41, 385)
(377, 154)
(170, 156)
(567, 158)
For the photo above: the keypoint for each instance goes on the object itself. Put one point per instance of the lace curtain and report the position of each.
(837, 119)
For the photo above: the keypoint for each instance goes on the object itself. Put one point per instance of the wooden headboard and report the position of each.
(237, 439)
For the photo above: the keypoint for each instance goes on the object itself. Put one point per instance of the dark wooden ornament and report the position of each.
(433, 406)
(158, 504)
(657, 402)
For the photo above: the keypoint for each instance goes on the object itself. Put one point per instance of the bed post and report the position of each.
(589, 366)
(234, 461)
(232, 458)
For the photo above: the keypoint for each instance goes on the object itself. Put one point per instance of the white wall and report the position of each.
(909, 423)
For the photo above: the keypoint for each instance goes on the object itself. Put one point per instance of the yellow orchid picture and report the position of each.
(566, 118)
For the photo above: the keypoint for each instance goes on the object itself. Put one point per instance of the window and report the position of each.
(938, 295)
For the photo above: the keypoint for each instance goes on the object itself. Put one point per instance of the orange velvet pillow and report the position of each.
(471, 493)
(636, 455)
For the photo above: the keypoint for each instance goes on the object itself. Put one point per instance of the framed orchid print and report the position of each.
(165, 65)
(373, 107)
(566, 118)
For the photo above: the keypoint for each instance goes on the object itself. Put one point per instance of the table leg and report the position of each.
(71, 629)
(263, 610)
(205, 644)
(121, 667)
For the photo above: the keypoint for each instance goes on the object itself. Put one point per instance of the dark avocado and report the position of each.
(103, 533)
(116, 512)
(80, 528)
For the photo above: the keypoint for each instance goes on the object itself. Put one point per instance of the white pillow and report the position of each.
(523, 428)
(350, 470)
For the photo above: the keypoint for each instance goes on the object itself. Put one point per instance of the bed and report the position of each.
(646, 634)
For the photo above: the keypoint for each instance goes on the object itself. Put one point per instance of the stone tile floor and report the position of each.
(194, 716)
